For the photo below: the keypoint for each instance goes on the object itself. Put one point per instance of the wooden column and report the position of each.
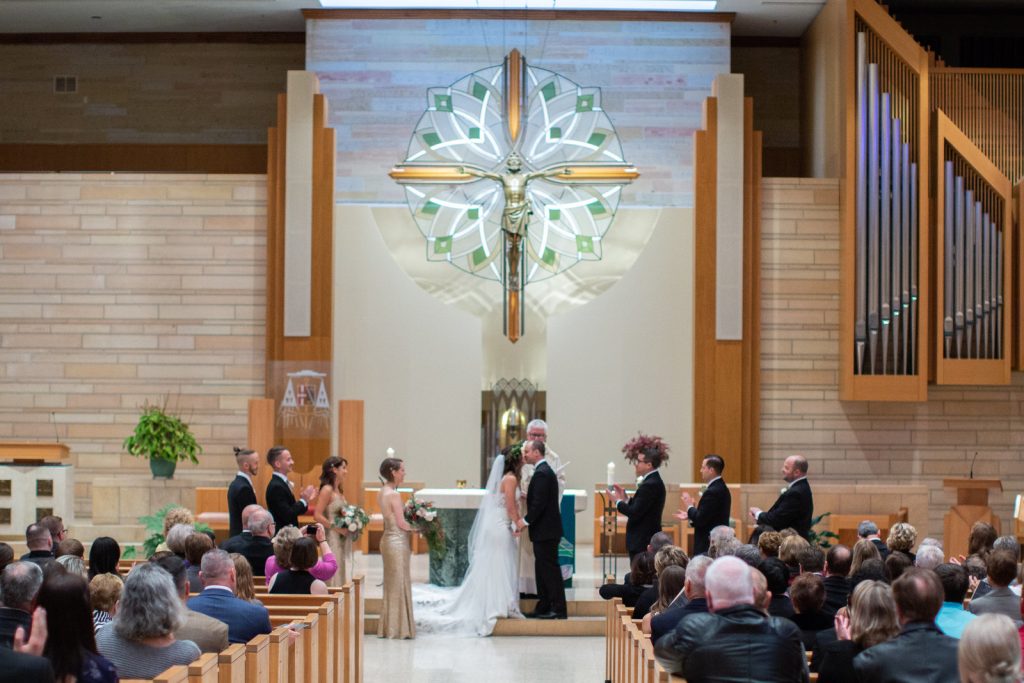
(261, 439)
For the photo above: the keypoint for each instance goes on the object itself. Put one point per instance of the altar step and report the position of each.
(586, 618)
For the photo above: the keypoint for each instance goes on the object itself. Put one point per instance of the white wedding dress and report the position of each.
(490, 589)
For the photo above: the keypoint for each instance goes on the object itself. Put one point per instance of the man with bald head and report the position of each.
(735, 641)
(794, 508)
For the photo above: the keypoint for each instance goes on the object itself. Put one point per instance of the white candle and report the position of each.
(611, 474)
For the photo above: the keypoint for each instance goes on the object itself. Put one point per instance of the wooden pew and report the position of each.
(257, 659)
(204, 669)
(279, 655)
(231, 665)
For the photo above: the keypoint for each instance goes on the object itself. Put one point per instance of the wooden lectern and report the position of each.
(971, 506)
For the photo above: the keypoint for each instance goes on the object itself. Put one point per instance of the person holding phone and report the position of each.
(297, 580)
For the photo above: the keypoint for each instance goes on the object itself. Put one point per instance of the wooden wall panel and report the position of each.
(350, 447)
(130, 158)
(261, 439)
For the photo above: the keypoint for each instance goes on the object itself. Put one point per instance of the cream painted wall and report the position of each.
(623, 362)
(415, 361)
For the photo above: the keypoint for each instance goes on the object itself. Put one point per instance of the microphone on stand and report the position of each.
(972, 464)
(53, 421)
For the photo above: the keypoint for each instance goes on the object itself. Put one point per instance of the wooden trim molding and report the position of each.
(250, 37)
(520, 14)
(127, 158)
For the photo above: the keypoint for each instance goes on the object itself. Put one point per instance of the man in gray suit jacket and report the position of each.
(211, 635)
(1002, 570)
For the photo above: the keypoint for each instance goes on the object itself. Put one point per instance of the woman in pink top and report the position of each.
(325, 567)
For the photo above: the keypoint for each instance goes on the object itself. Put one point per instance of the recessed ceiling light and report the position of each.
(656, 5)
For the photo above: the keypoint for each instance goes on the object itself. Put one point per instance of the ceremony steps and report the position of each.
(586, 618)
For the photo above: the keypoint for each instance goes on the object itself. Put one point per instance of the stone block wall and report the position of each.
(861, 442)
(123, 289)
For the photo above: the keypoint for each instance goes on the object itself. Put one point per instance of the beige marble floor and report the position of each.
(431, 659)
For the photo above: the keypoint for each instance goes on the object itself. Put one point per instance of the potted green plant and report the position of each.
(163, 438)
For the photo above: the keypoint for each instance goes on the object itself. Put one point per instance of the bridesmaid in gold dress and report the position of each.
(330, 503)
(396, 620)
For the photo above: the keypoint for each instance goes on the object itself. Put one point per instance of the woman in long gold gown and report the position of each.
(396, 620)
(330, 503)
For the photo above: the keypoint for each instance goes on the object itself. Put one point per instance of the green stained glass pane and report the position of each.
(473, 213)
(443, 102)
(554, 214)
(596, 207)
(479, 91)
(555, 132)
(431, 208)
(585, 244)
(548, 91)
(584, 103)
(596, 139)
(474, 133)
(549, 256)
(431, 139)
(443, 245)
(479, 256)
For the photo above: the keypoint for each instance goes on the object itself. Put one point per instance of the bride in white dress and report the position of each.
(490, 589)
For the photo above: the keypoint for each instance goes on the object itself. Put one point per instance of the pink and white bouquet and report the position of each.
(422, 516)
(353, 518)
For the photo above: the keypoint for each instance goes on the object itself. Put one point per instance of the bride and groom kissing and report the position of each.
(490, 588)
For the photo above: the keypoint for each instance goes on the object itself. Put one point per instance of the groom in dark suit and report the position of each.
(645, 508)
(714, 506)
(280, 501)
(545, 523)
(794, 508)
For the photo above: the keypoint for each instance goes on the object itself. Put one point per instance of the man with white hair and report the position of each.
(735, 641)
(868, 530)
(691, 602)
(245, 620)
(928, 557)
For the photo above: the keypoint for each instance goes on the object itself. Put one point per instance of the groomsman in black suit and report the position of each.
(280, 501)
(645, 508)
(794, 508)
(242, 491)
(714, 506)
(545, 524)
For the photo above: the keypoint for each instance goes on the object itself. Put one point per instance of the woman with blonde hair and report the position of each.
(789, 552)
(863, 550)
(870, 620)
(902, 537)
(245, 585)
(990, 651)
(174, 517)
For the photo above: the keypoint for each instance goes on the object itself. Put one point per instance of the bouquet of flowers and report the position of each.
(422, 516)
(353, 518)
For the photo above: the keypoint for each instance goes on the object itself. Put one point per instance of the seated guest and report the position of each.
(176, 538)
(777, 574)
(40, 545)
(670, 588)
(762, 596)
(104, 554)
(235, 543)
(770, 544)
(667, 556)
(812, 560)
(897, 563)
(868, 531)
(104, 594)
(69, 546)
(24, 661)
(749, 554)
(837, 586)
(245, 586)
(694, 602)
(735, 641)
(863, 551)
(211, 635)
(644, 571)
(989, 651)
(55, 525)
(245, 621)
(140, 640)
(1008, 543)
(902, 537)
(256, 546)
(641, 577)
(790, 551)
(952, 618)
(1002, 570)
(981, 539)
(72, 565)
(6, 555)
(174, 517)
(722, 541)
(928, 557)
(920, 652)
(282, 548)
(658, 541)
(870, 620)
(807, 594)
(19, 585)
(71, 641)
(196, 546)
(297, 579)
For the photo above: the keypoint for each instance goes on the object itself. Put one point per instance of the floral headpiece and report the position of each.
(650, 446)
